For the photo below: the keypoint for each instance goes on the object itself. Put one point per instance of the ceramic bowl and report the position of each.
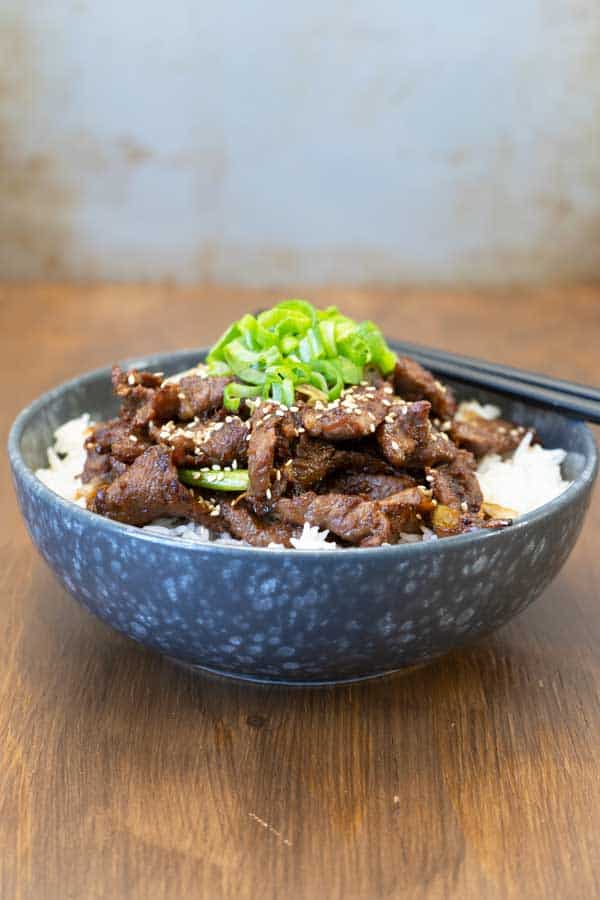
(287, 615)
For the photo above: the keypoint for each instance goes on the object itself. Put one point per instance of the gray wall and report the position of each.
(328, 140)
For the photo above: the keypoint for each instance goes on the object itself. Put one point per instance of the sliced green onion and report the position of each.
(350, 372)
(234, 391)
(311, 346)
(381, 354)
(327, 329)
(332, 376)
(288, 344)
(283, 391)
(355, 348)
(236, 480)
(294, 347)
(217, 367)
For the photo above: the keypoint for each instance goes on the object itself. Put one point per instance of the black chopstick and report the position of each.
(507, 380)
(480, 365)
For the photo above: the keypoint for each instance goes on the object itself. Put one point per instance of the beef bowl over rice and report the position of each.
(301, 505)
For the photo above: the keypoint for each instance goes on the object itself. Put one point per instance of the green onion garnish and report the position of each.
(294, 347)
(236, 480)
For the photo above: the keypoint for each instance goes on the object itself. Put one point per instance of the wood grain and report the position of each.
(122, 776)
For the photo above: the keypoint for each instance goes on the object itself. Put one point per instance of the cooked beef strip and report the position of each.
(455, 485)
(145, 401)
(355, 520)
(407, 438)
(110, 448)
(199, 396)
(137, 391)
(314, 460)
(123, 382)
(373, 486)
(355, 414)
(363, 460)
(208, 442)
(271, 428)
(406, 508)
(413, 382)
(101, 467)
(148, 489)
(240, 522)
(482, 436)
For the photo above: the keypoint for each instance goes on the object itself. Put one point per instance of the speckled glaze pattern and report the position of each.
(286, 615)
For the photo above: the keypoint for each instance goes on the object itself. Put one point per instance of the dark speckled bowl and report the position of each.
(285, 615)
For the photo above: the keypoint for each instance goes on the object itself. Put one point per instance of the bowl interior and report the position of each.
(92, 393)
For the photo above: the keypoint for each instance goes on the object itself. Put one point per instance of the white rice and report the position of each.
(66, 460)
(521, 482)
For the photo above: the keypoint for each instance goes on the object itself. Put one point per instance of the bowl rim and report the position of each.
(21, 470)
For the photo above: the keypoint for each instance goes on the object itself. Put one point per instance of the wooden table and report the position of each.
(123, 777)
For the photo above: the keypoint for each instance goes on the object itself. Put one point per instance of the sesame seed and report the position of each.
(228, 419)
(133, 438)
(268, 493)
(278, 475)
(464, 506)
(388, 390)
(234, 464)
(386, 402)
(131, 379)
(248, 436)
(158, 374)
(372, 427)
(363, 384)
(293, 409)
(218, 426)
(395, 445)
(205, 469)
(216, 468)
(216, 511)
